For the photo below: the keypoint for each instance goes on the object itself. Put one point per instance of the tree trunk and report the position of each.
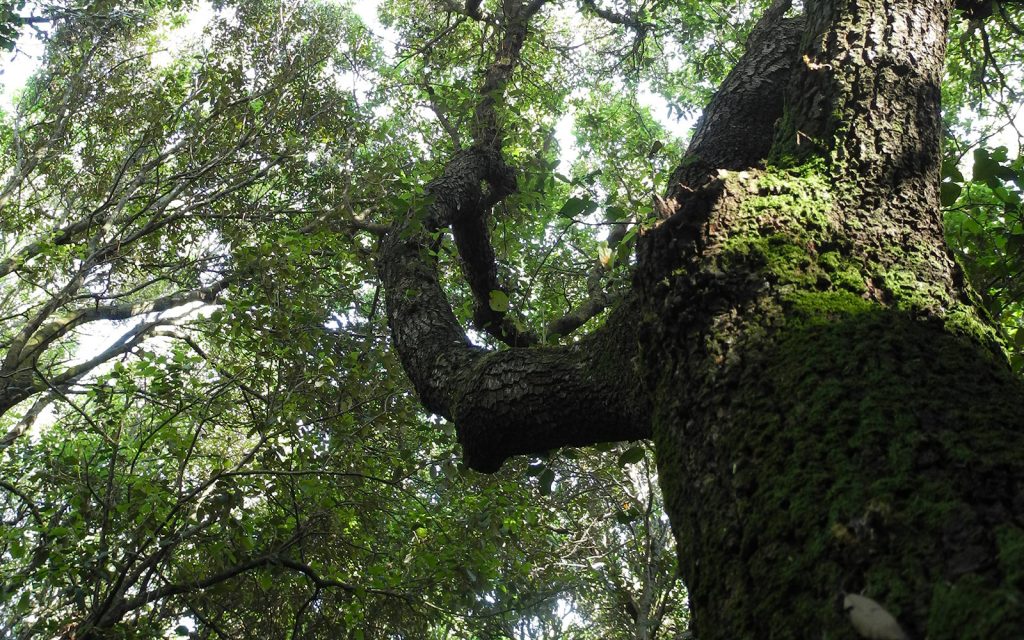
(831, 413)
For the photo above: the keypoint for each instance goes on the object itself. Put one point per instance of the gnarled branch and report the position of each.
(530, 400)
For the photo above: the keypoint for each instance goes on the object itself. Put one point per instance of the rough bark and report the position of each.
(735, 131)
(508, 402)
(830, 411)
(847, 422)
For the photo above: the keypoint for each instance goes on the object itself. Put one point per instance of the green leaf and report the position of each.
(632, 455)
(951, 171)
(547, 480)
(627, 516)
(985, 168)
(615, 213)
(497, 300)
(1018, 340)
(574, 207)
(623, 251)
(949, 192)
(181, 630)
(1009, 197)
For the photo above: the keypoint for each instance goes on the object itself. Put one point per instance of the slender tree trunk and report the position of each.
(831, 413)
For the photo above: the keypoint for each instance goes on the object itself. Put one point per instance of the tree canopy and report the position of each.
(208, 431)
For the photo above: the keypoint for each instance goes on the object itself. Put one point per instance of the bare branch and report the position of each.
(269, 560)
(442, 117)
(356, 222)
(123, 311)
(577, 317)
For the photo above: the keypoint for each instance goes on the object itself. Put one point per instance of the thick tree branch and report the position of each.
(465, 207)
(460, 201)
(510, 402)
(830, 115)
(737, 128)
(577, 317)
(627, 19)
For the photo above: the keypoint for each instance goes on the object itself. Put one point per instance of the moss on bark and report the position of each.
(845, 426)
(834, 455)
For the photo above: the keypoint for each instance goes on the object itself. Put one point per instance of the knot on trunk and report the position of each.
(473, 181)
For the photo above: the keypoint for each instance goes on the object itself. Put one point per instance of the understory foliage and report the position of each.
(203, 429)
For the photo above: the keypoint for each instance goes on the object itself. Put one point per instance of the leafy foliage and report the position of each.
(982, 177)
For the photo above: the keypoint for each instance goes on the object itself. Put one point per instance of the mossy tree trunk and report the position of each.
(831, 413)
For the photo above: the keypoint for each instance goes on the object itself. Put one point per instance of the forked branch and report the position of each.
(519, 400)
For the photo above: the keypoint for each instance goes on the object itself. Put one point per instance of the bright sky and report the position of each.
(17, 66)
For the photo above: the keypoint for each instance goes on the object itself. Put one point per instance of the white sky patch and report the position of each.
(568, 152)
(367, 12)
(1008, 136)
(361, 86)
(658, 107)
(1005, 136)
(18, 65)
(96, 337)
